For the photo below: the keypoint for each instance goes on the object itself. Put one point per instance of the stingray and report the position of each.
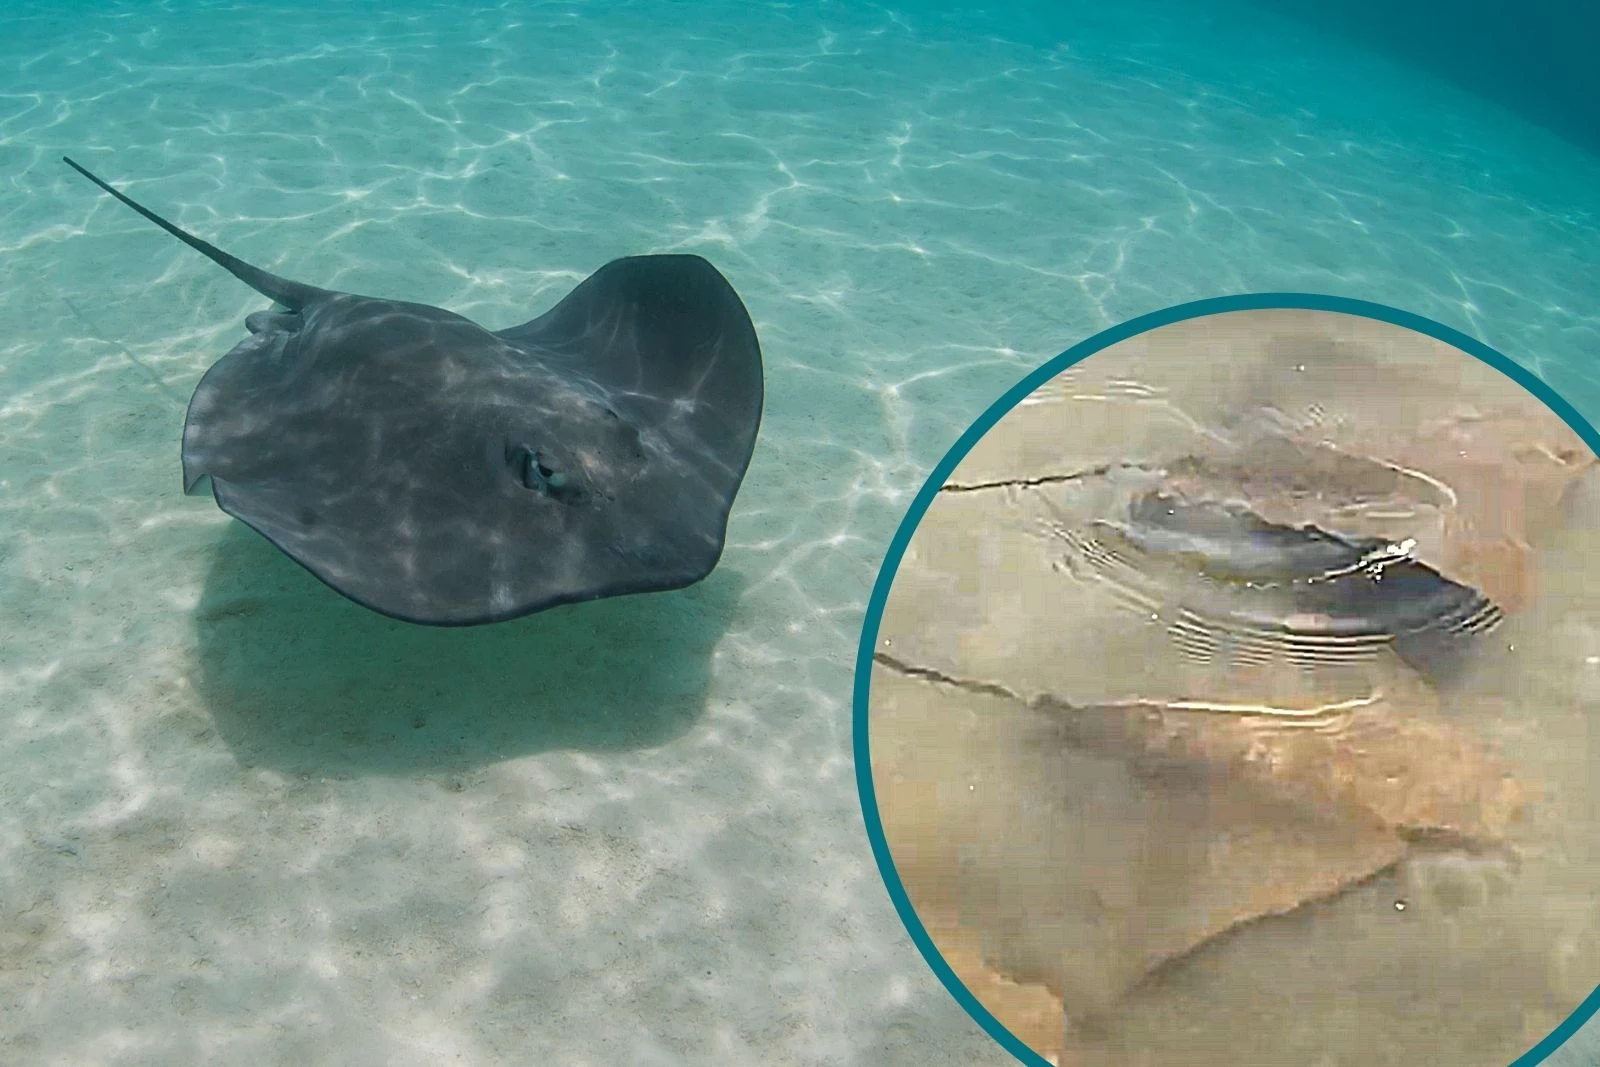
(1309, 592)
(442, 473)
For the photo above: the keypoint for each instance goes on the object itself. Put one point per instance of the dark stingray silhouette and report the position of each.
(442, 473)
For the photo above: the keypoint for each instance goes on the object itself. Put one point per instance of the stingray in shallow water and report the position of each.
(442, 473)
(1235, 579)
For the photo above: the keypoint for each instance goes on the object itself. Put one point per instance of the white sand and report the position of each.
(626, 833)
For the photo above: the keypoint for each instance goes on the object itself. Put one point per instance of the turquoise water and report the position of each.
(1532, 57)
(249, 822)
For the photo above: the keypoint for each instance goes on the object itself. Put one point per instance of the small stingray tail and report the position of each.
(291, 295)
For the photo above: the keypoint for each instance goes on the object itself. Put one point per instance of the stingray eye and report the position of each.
(536, 471)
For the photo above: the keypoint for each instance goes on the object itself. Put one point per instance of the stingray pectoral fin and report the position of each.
(292, 295)
(667, 331)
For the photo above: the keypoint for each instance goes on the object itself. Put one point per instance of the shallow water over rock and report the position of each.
(1137, 704)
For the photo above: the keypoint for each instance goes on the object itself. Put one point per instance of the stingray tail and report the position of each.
(292, 295)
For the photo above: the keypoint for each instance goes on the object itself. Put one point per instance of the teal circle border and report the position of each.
(964, 444)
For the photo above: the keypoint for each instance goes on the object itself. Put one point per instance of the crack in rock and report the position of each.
(1046, 479)
(1086, 731)
(928, 674)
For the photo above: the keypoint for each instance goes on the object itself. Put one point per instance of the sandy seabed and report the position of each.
(247, 822)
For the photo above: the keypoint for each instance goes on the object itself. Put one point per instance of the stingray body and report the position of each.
(442, 473)
(1233, 577)
(1229, 542)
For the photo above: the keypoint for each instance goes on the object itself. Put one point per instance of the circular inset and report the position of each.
(1223, 699)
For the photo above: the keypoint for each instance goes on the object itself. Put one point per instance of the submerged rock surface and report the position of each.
(1199, 634)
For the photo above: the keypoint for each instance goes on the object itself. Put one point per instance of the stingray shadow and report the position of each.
(301, 680)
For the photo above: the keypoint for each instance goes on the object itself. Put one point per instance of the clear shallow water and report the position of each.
(627, 831)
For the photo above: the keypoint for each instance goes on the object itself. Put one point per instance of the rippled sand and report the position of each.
(249, 822)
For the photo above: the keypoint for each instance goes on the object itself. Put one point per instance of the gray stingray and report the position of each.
(1307, 591)
(442, 473)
